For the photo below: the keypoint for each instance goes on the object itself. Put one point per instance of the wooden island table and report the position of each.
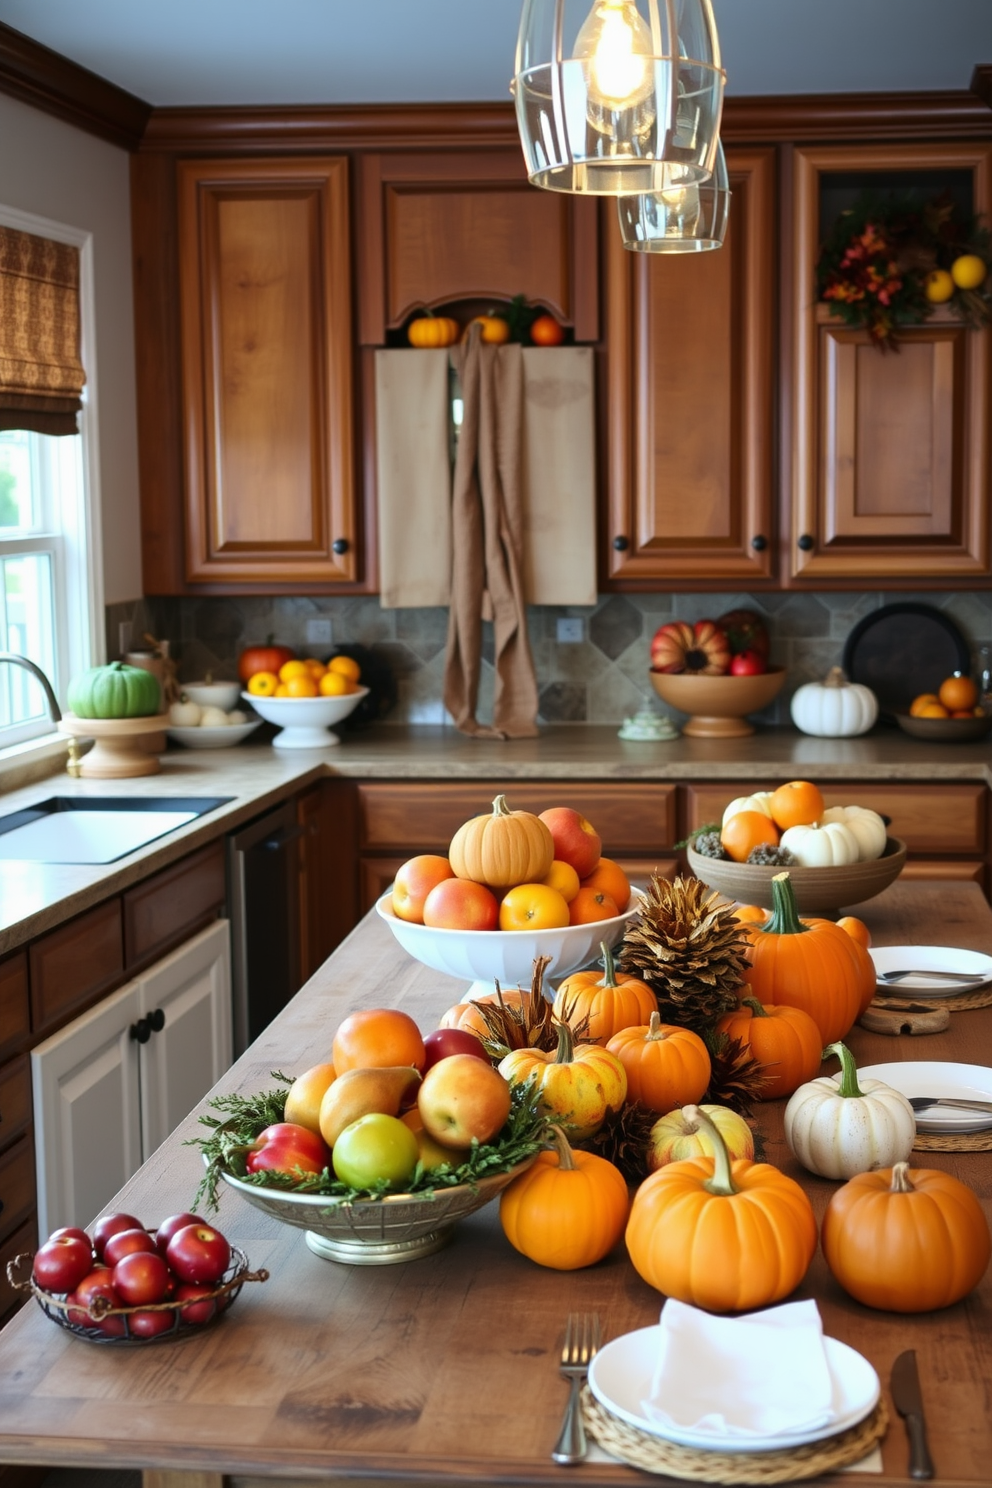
(444, 1370)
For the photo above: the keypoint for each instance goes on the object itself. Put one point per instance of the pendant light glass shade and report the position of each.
(622, 98)
(680, 219)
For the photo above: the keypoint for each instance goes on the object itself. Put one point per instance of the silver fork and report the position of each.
(581, 1343)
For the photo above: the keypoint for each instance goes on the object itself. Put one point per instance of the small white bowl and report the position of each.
(507, 954)
(305, 721)
(223, 695)
(220, 737)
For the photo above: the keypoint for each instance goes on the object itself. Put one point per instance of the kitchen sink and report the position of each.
(96, 829)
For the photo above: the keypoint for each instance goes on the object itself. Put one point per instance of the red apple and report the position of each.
(463, 1100)
(748, 664)
(141, 1277)
(109, 1225)
(169, 1226)
(414, 881)
(150, 1324)
(460, 904)
(126, 1242)
(99, 1283)
(576, 840)
(201, 1306)
(199, 1253)
(62, 1263)
(72, 1230)
(444, 1042)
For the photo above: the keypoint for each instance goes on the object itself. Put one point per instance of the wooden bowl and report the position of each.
(817, 890)
(717, 705)
(945, 730)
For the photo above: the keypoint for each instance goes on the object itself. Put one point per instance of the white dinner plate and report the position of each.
(620, 1377)
(935, 1077)
(929, 958)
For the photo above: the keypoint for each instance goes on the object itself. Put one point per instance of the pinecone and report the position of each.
(709, 844)
(737, 1079)
(689, 949)
(769, 855)
(623, 1140)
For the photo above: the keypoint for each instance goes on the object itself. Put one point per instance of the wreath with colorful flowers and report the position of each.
(892, 259)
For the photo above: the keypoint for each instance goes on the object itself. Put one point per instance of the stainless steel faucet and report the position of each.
(54, 710)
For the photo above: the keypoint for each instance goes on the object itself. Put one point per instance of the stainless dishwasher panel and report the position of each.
(264, 899)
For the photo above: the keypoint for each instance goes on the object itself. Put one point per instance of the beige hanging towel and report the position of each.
(413, 472)
(559, 542)
(486, 530)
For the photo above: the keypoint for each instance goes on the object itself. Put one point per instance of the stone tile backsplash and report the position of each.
(601, 679)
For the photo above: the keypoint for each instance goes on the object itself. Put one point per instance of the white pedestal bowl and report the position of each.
(304, 723)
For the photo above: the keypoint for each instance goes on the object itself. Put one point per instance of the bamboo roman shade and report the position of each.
(41, 375)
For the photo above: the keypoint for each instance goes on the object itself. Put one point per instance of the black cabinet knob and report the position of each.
(759, 543)
(156, 1020)
(141, 1031)
(806, 542)
(621, 544)
(339, 545)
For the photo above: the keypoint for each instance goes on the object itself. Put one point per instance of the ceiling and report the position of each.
(379, 51)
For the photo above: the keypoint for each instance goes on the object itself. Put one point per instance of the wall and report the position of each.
(603, 680)
(57, 171)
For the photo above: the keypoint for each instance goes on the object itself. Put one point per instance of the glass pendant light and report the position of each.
(681, 219)
(622, 98)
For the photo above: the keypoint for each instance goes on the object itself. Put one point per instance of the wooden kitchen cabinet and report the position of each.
(690, 346)
(890, 474)
(328, 892)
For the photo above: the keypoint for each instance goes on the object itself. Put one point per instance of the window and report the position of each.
(51, 597)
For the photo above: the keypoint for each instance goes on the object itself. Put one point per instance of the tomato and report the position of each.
(199, 1253)
(545, 331)
(109, 1225)
(62, 1263)
(267, 658)
(283, 1148)
(141, 1277)
(748, 664)
(375, 1148)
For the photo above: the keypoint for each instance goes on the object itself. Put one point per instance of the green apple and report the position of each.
(373, 1149)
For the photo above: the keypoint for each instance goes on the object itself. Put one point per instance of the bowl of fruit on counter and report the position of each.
(717, 671)
(302, 696)
(834, 855)
(513, 885)
(951, 715)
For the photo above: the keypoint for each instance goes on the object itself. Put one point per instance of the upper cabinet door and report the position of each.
(691, 367)
(267, 374)
(890, 456)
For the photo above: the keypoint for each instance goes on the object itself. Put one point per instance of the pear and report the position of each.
(360, 1092)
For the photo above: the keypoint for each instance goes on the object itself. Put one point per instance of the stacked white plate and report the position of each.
(922, 959)
(938, 1078)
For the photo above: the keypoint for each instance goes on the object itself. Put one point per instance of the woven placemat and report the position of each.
(962, 1002)
(641, 1449)
(947, 1142)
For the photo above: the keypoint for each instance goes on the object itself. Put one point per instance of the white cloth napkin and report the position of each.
(764, 1374)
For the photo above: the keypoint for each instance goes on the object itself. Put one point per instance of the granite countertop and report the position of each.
(35, 897)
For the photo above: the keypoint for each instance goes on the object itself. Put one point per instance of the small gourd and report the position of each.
(838, 1126)
(866, 825)
(578, 1085)
(906, 1239)
(666, 1066)
(760, 801)
(834, 708)
(832, 845)
(184, 713)
(783, 1039)
(115, 691)
(433, 330)
(567, 1210)
(610, 1002)
(502, 849)
(726, 1236)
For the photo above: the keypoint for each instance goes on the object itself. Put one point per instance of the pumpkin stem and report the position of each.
(835, 677)
(848, 1086)
(784, 918)
(900, 1179)
(500, 807)
(655, 1031)
(560, 1143)
(609, 968)
(722, 1184)
(566, 1044)
(756, 1007)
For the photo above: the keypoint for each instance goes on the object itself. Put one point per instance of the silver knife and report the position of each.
(964, 978)
(926, 1102)
(909, 1403)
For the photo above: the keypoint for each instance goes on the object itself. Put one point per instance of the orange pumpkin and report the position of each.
(750, 914)
(857, 929)
(578, 1084)
(466, 1014)
(666, 1066)
(567, 1210)
(906, 1239)
(433, 330)
(610, 1002)
(494, 329)
(725, 1236)
(502, 849)
(783, 1039)
(808, 964)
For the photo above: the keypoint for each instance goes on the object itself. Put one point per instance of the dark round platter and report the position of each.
(902, 650)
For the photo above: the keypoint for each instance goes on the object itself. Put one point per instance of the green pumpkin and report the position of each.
(115, 691)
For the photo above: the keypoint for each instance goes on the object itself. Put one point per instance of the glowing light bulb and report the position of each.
(615, 44)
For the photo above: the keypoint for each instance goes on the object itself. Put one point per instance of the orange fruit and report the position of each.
(347, 666)
(281, 691)
(263, 684)
(305, 1095)
(314, 667)
(958, 692)
(290, 669)
(377, 1038)
(532, 906)
(923, 700)
(564, 878)
(590, 905)
(856, 929)
(933, 710)
(300, 686)
(414, 881)
(333, 684)
(798, 804)
(747, 829)
(609, 878)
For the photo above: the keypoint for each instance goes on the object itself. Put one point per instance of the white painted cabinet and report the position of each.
(110, 1086)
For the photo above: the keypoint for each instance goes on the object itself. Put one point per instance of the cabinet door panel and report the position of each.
(179, 1064)
(15, 1011)
(264, 288)
(17, 1192)
(24, 1239)
(167, 908)
(15, 1098)
(87, 1113)
(690, 398)
(71, 966)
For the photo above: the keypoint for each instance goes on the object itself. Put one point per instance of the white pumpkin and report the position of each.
(834, 708)
(212, 717)
(760, 801)
(867, 826)
(184, 714)
(829, 846)
(837, 1126)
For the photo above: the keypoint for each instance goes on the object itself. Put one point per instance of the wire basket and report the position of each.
(100, 1310)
